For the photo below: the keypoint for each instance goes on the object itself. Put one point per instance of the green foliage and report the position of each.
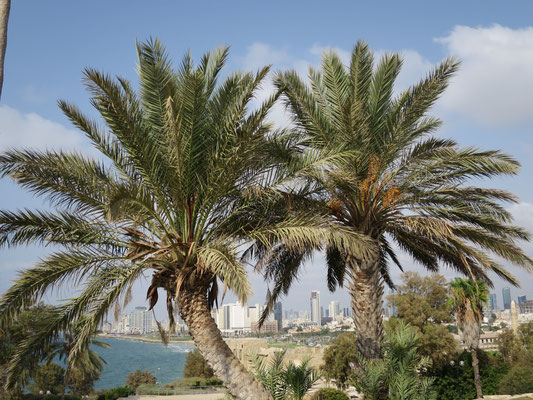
(519, 347)
(139, 377)
(518, 380)
(423, 303)
(193, 381)
(31, 396)
(457, 381)
(195, 365)
(339, 357)
(397, 376)
(421, 300)
(81, 382)
(288, 381)
(48, 377)
(114, 394)
(329, 394)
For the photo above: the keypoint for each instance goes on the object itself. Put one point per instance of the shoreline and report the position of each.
(143, 339)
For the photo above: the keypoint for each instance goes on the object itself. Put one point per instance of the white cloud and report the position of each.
(494, 81)
(19, 130)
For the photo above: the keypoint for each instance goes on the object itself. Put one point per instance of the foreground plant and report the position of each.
(190, 176)
(285, 381)
(397, 375)
(402, 188)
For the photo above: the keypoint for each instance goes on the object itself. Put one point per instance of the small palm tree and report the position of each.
(285, 381)
(401, 188)
(190, 176)
(397, 375)
(467, 300)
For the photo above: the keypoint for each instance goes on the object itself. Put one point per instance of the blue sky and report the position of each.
(489, 104)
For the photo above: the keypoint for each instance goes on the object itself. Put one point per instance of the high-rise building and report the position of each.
(506, 298)
(334, 309)
(521, 299)
(493, 300)
(140, 320)
(278, 315)
(346, 312)
(316, 315)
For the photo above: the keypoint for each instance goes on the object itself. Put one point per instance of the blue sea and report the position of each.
(125, 356)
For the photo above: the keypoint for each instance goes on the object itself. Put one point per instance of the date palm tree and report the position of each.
(402, 188)
(467, 300)
(189, 176)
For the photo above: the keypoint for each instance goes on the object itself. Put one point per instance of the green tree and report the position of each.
(191, 176)
(455, 380)
(517, 348)
(423, 303)
(392, 181)
(134, 379)
(196, 366)
(421, 300)
(339, 358)
(467, 300)
(49, 377)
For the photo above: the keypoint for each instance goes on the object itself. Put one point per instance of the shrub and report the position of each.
(195, 365)
(113, 394)
(330, 394)
(139, 377)
(193, 381)
(453, 382)
(518, 380)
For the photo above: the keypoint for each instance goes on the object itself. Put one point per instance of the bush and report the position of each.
(517, 381)
(453, 382)
(30, 396)
(196, 366)
(113, 394)
(192, 382)
(139, 377)
(330, 394)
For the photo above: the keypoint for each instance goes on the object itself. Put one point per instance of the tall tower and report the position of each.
(506, 298)
(278, 315)
(493, 302)
(315, 307)
(334, 309)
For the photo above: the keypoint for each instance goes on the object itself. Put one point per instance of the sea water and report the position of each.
(125, 356)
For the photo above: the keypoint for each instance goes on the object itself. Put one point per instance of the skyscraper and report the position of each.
(521, 299)
(315, 307)
(493, 300)
(334, 309)
(278, 315)
(506, 298)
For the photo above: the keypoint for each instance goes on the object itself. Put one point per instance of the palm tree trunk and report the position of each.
(366, 291)
(477, 378)
(192, 303)
(5, 5)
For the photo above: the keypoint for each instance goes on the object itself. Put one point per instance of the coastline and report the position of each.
(143, 339)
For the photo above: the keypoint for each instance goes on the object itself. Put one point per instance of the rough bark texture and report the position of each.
(5, 5)
(366, 291)
(477, 378)
(195, 312)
